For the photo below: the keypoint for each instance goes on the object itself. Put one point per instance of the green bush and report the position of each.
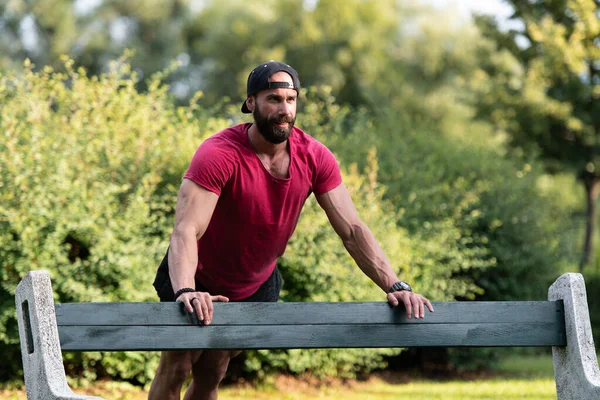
(473, 210)
(89, 175)
(514, 236)
(516, 233)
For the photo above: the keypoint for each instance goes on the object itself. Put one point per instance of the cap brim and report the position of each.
(245, 109)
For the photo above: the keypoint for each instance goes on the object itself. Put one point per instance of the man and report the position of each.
(237, 207)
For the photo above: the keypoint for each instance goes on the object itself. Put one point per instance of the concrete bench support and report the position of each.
(45, 377)
(575, 366)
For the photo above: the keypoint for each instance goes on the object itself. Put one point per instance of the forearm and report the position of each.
(183, 258)
(364, 249)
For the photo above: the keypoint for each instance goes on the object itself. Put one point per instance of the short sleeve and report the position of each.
(327, 176)
(211, 167)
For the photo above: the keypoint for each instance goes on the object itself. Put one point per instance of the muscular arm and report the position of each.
(357, 237)
(195, 206)
(362, 246)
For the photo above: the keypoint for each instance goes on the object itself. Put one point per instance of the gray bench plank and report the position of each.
(162, 314)
(92, 338)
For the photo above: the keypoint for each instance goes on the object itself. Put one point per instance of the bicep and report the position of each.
(195, 206)
(340, 210)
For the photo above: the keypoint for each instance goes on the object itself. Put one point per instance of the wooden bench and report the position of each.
(46, 330)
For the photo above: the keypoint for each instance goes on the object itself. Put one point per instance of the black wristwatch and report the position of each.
(400, 286)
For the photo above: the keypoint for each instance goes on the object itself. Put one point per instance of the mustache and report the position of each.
(281, 120)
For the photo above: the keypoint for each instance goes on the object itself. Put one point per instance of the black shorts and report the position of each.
(267, 292)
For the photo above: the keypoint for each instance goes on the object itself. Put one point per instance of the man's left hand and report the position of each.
(412, 301)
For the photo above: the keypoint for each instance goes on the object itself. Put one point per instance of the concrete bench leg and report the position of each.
(575, 366)
(45, 377)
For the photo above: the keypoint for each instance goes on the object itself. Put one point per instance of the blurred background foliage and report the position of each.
(470, 150)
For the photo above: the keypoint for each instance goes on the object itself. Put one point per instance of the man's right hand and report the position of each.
(200, 303)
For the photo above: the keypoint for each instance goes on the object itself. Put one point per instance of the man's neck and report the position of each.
(262, 146)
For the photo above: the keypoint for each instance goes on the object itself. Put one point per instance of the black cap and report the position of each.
(259, 79)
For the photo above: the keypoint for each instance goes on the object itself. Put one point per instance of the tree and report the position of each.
(542, 88)
(94, 34)
(344, 45)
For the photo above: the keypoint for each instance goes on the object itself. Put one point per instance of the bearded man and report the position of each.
(237, 207)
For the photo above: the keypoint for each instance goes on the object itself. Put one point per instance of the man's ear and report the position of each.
(251, 102)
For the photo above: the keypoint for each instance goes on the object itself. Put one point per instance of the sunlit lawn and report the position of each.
(380, 390)
(373, 389)
(530, 378)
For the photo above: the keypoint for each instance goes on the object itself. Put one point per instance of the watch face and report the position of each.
(400, 286)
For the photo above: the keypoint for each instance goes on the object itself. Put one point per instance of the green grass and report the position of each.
(529, 366)
(522, 377)
(424, 390)
(374, 388)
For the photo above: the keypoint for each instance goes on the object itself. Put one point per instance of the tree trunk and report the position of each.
(591, 180)
(592, 189)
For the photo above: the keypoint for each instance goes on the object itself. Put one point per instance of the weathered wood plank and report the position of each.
(105, 314)
(93, 338)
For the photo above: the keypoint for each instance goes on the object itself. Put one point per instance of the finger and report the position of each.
(186, 303)
(196, 311)
(421, 310)
(408, 306)
(205, 313)
(198, 308)
(220, 298)
(392, 299)
(429, 305)
(210, 308)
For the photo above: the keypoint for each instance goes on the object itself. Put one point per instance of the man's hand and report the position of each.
(200, 303)
(412, 301)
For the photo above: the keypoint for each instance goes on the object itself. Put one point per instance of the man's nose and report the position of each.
(285, 108)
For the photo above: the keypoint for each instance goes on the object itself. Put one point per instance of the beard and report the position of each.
(268, 128)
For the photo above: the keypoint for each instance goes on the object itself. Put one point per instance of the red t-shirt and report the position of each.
(256, 212)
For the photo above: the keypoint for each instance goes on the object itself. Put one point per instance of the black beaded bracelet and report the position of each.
(183, 290)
